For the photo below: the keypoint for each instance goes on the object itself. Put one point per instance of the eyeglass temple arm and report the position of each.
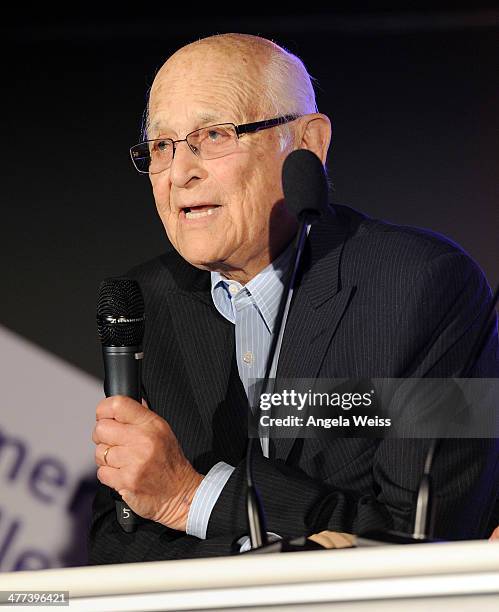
(263, 125)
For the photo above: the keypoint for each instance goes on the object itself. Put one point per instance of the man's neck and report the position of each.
(246, 274)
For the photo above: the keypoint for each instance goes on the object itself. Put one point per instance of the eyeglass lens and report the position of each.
(154, 156)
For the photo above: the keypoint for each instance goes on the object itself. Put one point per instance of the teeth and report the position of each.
(196, 214)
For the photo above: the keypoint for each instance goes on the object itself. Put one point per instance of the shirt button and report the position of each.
(248, 357)
(233, 289)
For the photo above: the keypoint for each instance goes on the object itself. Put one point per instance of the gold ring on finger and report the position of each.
(105, 455)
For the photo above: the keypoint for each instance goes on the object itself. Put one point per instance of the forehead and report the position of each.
(196, 89)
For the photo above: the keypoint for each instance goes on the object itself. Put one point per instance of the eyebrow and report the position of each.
(208, 118)
(202, 118)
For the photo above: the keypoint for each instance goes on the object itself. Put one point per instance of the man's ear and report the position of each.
(315, 134)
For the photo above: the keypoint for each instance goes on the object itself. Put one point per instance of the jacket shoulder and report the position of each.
(168, 272)
(376, 246)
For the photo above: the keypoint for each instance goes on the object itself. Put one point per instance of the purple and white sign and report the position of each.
(47, 471)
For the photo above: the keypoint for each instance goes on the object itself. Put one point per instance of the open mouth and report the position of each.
(196, 212)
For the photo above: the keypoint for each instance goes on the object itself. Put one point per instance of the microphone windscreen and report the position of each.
(120, 312)
(304, 183)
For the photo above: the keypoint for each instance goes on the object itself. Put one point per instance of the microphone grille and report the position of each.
(304, 183)
(120, 312)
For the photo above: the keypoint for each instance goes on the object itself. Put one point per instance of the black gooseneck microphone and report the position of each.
(120, 325)
(305, 189)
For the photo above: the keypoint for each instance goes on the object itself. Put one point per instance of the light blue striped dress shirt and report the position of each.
(252, 308)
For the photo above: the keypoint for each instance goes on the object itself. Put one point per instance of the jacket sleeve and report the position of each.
(108, 543)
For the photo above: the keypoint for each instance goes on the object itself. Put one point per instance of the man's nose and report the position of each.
(185, 166)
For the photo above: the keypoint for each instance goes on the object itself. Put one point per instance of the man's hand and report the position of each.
(145, 463)
(334, 539)
(495, 534)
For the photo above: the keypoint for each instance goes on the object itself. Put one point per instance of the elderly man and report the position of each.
(373, 300)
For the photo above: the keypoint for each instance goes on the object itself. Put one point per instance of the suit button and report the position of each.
(248, 357)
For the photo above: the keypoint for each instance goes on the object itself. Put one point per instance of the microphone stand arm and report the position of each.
(256, 516)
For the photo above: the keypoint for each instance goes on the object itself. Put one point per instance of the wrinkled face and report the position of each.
(248, 224)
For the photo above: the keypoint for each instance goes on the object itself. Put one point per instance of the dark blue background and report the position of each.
(412, 96)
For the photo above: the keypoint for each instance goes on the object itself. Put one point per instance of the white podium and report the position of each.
(445, 576)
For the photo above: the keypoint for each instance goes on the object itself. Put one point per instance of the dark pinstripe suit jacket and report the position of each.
(374, 300)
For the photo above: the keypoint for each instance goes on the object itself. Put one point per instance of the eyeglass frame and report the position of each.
(240, 130)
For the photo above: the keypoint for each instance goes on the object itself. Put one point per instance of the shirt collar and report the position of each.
(265, 288)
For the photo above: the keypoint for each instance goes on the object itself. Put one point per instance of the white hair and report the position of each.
(289, 90)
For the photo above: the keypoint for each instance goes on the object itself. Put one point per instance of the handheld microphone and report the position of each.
(120, 325)
(305, 189)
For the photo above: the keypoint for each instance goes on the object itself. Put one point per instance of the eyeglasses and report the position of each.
(211, 142)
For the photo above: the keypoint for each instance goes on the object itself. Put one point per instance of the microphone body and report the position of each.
(122, 371)
(122, 376)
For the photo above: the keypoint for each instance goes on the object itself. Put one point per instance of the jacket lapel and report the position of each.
(316, 311)
(207, 344)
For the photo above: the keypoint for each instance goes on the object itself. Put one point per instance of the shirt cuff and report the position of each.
(205, 498)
